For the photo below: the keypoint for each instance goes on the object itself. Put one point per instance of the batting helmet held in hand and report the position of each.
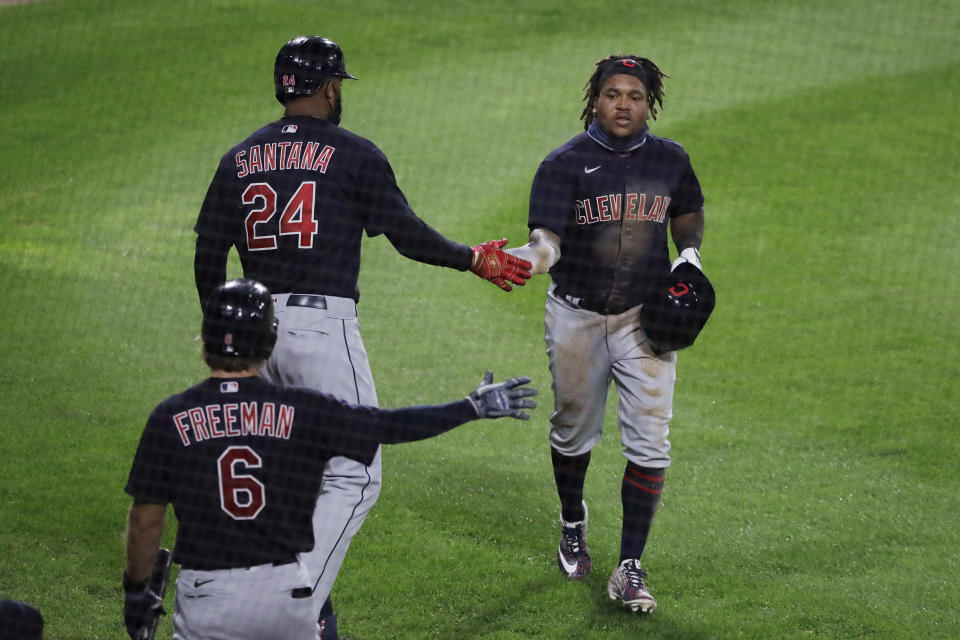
(675, 314)
(238, 320)
(304, 64)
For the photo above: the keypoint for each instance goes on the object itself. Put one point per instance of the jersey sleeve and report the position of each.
(551, 198)
(149, 479)
(409, 424)
(386, 211)
(355, 431)
(687, 196)
(215, 235)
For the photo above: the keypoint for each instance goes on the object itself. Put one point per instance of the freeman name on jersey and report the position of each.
(282, 156)
(231, 420)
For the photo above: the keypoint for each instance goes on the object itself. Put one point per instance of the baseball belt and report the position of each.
(304, 300)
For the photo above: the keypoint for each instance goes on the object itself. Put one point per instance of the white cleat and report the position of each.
(626, 584)
(573, 555)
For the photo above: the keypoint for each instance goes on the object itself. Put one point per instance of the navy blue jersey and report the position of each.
(294, 198)
(611, 212)
(241, 461)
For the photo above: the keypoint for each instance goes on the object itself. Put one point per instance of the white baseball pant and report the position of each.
(587, 351)
(321, 348)
(265, 602)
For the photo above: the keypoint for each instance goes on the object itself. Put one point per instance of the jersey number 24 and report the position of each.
(296, 220)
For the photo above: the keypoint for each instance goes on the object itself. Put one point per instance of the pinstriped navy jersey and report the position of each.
(294, 198)
(611, 212)
(241, 461)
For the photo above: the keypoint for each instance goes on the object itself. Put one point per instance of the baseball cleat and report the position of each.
(573, 556)
(626, 584)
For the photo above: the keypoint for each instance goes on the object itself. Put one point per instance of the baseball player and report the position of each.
(295, 198)
(241, 460)
(600, 206)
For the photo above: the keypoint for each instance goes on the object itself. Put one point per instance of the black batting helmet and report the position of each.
(20, 621)
(304, 64)
(675, 314)
(238, 320)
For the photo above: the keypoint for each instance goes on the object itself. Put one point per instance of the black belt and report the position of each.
(304, 300)
(596, 305)
(204, 567)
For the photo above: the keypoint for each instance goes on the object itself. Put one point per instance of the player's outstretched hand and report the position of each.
(491, 263)
(501, 399)
(141, 606)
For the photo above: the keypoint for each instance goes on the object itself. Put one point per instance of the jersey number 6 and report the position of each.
(296, 220)
(242, 496)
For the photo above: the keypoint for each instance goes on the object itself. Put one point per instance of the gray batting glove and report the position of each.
(502, 399)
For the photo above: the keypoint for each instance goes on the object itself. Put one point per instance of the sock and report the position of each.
(328, 621)
(328, 627)
(327, 609)
(569, 473)
(640, 494)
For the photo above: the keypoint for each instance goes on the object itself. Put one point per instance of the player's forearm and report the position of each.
(209, 267)
(421, 242)
(410, 424)
(687, 230)
(542, 252)
(144, 531)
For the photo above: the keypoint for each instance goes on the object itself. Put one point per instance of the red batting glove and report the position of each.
(499, 267)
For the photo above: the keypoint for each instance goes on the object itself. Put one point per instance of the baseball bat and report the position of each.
(159, 576)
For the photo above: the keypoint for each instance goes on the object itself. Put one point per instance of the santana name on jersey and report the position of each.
(234, 420)
(281, 156)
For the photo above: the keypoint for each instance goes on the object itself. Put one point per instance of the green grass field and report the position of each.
(815, 484)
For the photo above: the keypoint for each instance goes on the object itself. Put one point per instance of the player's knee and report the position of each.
(572, 442)
(653, 452)
(648, 458)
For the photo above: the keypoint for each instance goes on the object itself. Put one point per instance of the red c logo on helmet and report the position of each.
(679, 289)
(628, 62)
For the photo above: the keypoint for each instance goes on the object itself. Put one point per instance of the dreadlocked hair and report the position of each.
(653, 81)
